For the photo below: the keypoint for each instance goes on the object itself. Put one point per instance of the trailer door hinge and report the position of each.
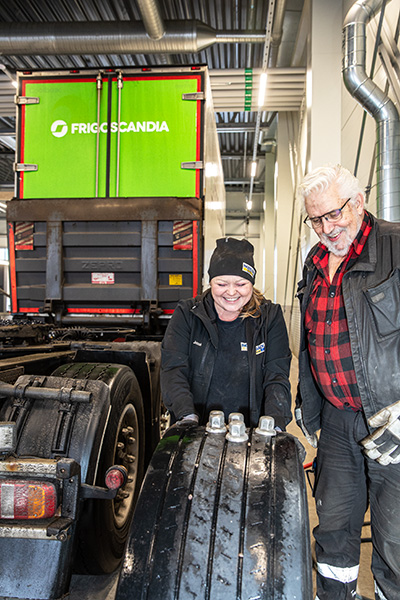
(194, 96)
(198, 164)
(26, 100)
(25, 167)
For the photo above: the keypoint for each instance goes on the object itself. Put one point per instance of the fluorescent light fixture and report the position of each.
(262, 89)
(249, 204)
(253, 168)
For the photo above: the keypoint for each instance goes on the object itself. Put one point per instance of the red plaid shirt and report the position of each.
(327, 329)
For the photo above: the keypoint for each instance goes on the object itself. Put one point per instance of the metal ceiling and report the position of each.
(237, 39)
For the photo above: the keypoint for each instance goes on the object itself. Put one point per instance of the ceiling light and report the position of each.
(253, 168)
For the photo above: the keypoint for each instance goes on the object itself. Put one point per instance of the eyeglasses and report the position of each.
(332, 216)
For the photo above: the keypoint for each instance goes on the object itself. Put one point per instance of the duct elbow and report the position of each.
(362, 12)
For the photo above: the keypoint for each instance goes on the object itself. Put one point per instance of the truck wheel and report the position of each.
(220, 520)
(104, 525)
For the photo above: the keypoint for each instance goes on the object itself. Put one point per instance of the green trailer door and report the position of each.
(141, 135)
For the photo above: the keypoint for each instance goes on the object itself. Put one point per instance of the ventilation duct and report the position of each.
(377, 104)
(114, 37)
(152, 19)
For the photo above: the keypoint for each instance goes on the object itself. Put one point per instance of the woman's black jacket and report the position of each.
(188, 355)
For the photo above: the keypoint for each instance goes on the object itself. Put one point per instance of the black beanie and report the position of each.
(233, 257)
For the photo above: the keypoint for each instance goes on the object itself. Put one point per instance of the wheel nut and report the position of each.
(127, 430)
(266, 426)
(216, 422)
(236, 416)
(237, 431)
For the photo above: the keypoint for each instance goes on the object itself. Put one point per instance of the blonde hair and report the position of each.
(253, 307)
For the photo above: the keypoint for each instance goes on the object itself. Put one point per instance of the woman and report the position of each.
(227, 349)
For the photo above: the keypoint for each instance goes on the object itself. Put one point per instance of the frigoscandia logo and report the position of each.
(60, 128)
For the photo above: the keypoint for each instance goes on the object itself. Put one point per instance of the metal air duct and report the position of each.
(377, 104)
(113, 37)
(153, 23)
(152, 19)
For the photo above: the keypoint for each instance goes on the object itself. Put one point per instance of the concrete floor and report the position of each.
(365, 586)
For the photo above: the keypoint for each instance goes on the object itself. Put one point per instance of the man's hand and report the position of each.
(188, 421)
(310, 437)
(384, 444)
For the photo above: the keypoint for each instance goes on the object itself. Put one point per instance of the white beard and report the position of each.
(332, 245)
(345, 241)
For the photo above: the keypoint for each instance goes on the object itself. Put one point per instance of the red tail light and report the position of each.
(27, 499)
(116, 477)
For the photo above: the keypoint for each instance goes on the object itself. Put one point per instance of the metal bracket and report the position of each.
(197, 164)
(26, 100)
(24, 167)
(97, 492)
(59, 528)
(194, 96)
(69, 472)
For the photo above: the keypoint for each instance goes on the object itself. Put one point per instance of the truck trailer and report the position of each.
(118, 197)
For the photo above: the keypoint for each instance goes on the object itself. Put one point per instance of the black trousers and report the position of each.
(345, 482)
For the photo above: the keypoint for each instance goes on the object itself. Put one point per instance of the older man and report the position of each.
(349, 381)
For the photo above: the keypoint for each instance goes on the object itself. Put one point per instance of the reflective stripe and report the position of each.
(7, 501)
(379, 592)
(342, 574)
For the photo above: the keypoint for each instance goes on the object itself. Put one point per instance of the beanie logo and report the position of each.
(248, 269)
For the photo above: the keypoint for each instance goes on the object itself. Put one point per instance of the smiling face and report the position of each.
(230, 294)
(337, 236)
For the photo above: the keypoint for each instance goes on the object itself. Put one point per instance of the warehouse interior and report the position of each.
(281, 108)
(305, 117)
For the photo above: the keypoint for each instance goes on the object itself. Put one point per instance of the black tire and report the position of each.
(104, 525)
(219, 520)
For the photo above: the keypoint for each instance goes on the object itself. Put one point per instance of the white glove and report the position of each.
(310, 437)
(384, 444)
(188, 421)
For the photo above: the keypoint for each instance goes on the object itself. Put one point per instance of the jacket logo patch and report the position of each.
(260, 348)
(378, 297)
(196, 343)
(243, 346)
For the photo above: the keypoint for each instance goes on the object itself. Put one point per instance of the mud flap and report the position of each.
(218, 519)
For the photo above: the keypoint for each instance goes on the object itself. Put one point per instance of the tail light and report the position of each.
(116, 477)
(27, 499)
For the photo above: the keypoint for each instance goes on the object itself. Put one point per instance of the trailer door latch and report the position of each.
(194, 96)
(26, 100)
(24, 167)
(197, 164)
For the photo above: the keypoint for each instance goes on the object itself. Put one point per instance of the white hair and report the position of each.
(320, 179)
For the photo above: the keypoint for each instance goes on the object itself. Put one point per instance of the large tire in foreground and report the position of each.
(218, 519)
(104, 524)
